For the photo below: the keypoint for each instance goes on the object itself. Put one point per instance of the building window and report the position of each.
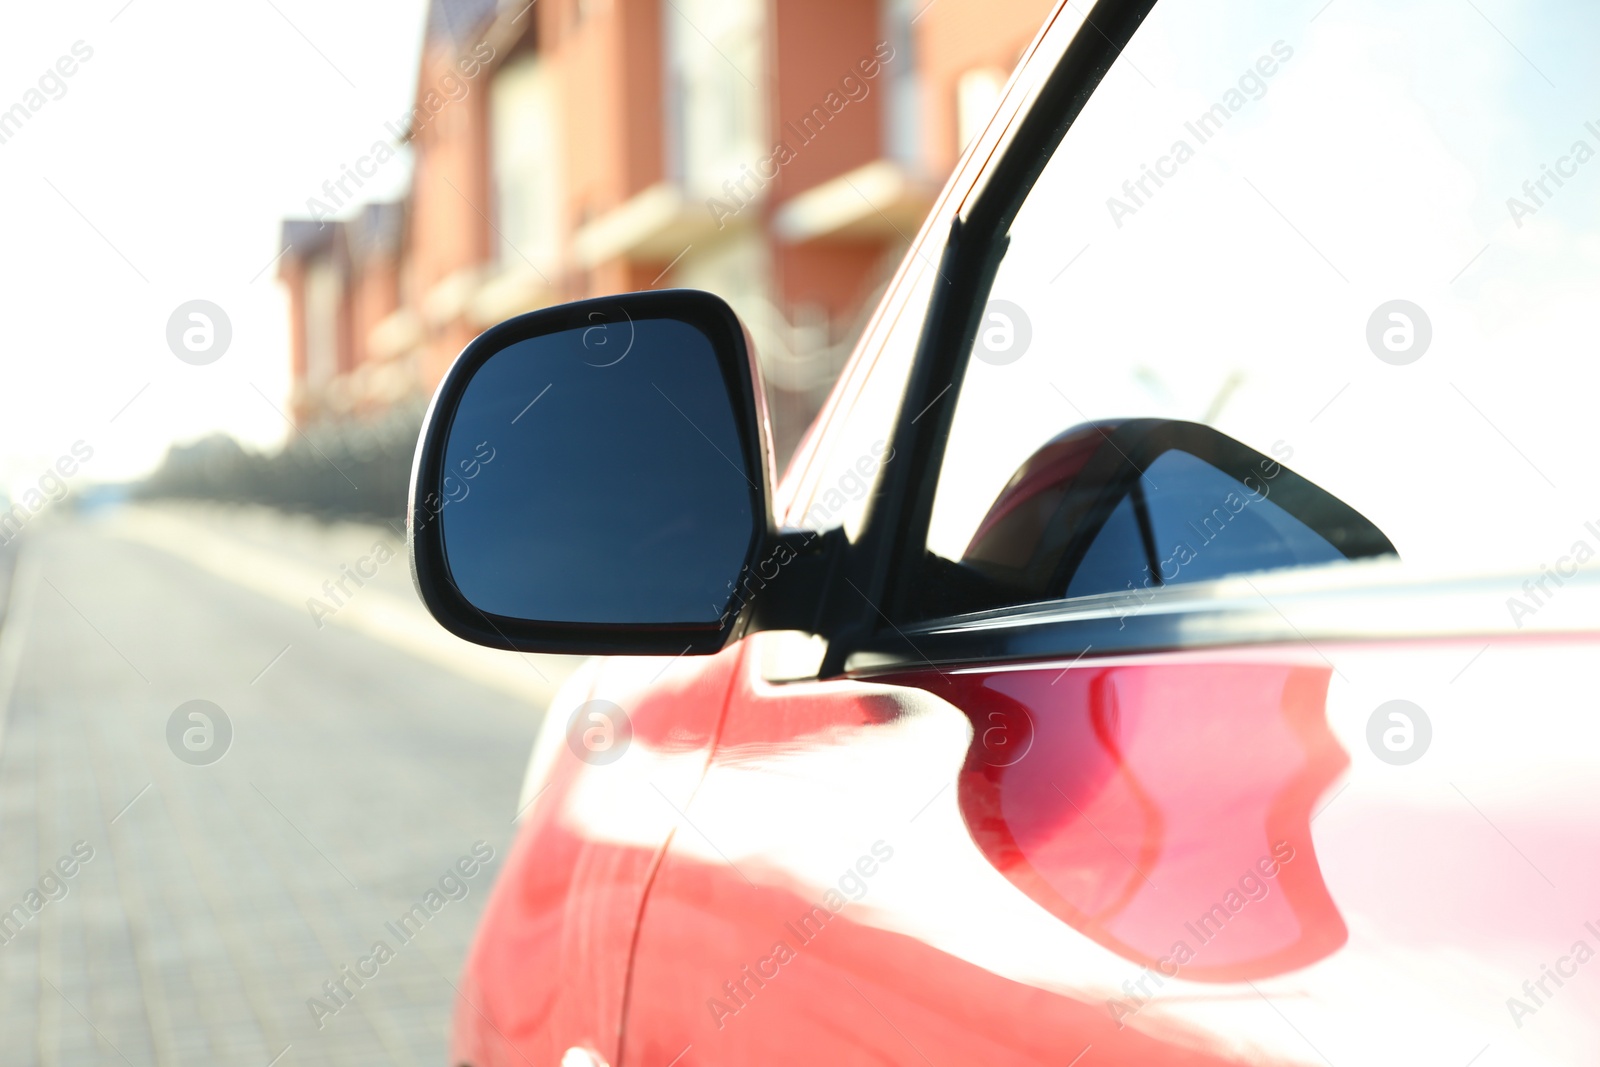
(977, 95)
(715, 107)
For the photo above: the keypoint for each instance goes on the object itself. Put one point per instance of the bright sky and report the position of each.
(159, 176)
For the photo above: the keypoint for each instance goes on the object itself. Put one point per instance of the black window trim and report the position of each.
(885, 562)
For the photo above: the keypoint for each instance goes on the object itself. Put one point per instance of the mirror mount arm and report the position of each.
(790, 588)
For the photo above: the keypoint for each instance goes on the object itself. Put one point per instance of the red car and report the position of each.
(1173, 643)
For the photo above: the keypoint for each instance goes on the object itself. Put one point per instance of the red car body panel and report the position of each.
(711, 976)
(1031, 908)
(548, 969)
(1122, 799)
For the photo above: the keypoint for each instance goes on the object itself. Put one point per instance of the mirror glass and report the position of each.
(596, 476)
(1187, 521)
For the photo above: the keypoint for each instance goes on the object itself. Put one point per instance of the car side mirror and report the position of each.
(1132, 504)
(595, 479)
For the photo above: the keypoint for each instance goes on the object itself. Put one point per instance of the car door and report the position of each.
(1145, 747)
(547, 971)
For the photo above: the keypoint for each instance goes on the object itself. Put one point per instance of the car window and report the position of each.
(1359, 241)
(837, 484)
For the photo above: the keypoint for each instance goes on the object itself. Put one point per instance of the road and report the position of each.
(369, 756)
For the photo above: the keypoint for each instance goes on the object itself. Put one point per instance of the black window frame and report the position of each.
(886, 561)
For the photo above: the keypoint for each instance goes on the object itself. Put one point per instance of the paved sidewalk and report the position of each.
(217, 899)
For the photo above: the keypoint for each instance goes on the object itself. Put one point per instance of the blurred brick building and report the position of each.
(778, 152)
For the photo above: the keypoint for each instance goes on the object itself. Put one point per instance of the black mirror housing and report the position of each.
(595, 479)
